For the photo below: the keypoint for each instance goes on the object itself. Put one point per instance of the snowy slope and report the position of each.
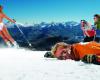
(21, 64)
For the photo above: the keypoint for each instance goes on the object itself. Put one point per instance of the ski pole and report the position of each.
(23, 35)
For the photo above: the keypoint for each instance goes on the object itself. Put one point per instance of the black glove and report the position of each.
(48, 55)
(90, 58)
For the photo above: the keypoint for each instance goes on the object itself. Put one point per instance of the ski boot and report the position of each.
(15, 45)
(9, 44)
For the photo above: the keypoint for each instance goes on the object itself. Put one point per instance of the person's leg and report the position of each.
(7, 35)
(5, 39)
(91, 38)
(86, 39)
(98, 35)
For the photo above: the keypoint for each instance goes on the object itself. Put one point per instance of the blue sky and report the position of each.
(36, 11)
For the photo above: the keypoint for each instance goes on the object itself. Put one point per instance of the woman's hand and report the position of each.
(87, 34)
(13, 20)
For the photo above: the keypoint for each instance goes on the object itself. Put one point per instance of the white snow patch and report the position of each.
(21, 64)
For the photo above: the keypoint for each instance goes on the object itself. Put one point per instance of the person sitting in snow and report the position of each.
(88, 52)
(89, 33)
(97, 24)
(97, 21)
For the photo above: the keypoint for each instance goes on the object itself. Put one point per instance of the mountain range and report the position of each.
(44, 35)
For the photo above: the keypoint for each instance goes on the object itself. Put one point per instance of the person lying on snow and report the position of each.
(88, 52)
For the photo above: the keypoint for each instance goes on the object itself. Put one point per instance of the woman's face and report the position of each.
(82, 23)
(95, 19)
(66, 53)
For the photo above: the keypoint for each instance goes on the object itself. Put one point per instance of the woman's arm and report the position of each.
(87, 33)
(11, 20)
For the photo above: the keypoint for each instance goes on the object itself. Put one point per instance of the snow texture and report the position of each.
(21, 64)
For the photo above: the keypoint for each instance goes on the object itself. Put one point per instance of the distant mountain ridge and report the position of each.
(44, 35)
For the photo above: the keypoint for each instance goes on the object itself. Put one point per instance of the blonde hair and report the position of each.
(60, 44)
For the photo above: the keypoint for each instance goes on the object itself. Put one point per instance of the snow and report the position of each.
(23, 64)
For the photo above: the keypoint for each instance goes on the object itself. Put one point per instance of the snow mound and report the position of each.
(21, 64)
